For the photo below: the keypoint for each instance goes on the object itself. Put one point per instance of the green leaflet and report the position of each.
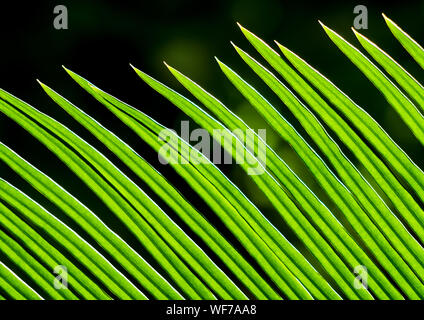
(371, 130)
(15, 287)
(30, 235)
(187, 280)
(218, 280)
(171, 196)
(266, 182)
(353, 180)
(176, 238)
(407, 82)
(329, 182)
(188, 250)
(410, 45)
(275, 165)
(404, 107)
(74, 244)
(402, 200)
(400, 161)
(220, 194)
(79, 282)
(112, 243)
(32, 268)
(195, 113)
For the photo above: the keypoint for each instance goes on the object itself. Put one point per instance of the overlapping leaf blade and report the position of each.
(191, 284)
(48, 254)
(406, 81)
(15, 287)
(115, 281)
(220, 193)
(109, 240)
(393, 250)
(303, 195)
(404, 107)
(157, 182)
(402, 200)
(367, 197)
(410, 45)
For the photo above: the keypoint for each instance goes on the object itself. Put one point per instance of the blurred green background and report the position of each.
(105, 36)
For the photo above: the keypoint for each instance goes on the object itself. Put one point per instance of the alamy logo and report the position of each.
(60, 21)
(247, 146)
(361, 20)
(60, 282)
(361, 279)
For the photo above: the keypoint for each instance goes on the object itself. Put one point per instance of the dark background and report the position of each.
(105, 36)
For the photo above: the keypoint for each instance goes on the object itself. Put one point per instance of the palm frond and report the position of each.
(189, 257)
(352, 179)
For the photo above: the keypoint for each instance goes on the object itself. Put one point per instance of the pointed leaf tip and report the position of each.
(217, 60)
(385, 17)
(172, 69)
(138, 71)
(325, 27)
(42, 85)
(244, 30)
(282, 48)
(388, 20)
(356, 33)
(134, 68)
(68, 71)
(278, 44)
(359, 35)
(234, 46)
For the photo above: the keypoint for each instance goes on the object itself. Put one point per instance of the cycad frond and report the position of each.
(189, 257)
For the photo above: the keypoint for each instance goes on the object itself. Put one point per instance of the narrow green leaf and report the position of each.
(73, 243)
(177, 239)
(48, 254)
(15, 287)
(32, 268)
(86, 219)
(186, 211)
(407, 82)
(287, 209)
(376, 209)
(399, 196)
(221, 194)
(337, 191)
(403, 106)
(277, 166)
(212, 275)
(414, 48)
(191, 284)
